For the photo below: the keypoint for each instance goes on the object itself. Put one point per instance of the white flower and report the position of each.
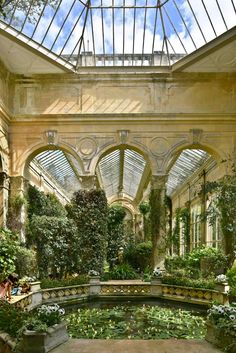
(93, 273)
(221, 279)
(232, 317)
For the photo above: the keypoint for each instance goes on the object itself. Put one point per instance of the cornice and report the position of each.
(147, 118)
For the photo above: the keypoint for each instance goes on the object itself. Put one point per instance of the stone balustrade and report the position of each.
(117, 288)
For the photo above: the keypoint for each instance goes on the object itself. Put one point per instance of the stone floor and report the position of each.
(135, 346)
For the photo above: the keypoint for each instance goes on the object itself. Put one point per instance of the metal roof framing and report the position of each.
(115, 32)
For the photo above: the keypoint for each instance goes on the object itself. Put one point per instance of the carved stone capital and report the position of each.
(51, 137)
(158, 181)
(88, 182)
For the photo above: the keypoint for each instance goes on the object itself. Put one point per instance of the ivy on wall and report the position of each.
(182, 216)
(222, 206)
(144, 209)
(157, 222)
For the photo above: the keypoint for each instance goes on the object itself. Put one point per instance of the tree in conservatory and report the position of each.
(89, 210)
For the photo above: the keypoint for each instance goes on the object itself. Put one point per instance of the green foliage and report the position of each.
(144, 207)
(11, 318)
(72, 281)
(231, 275)
(57, 245)
(41, 204)
(182, 215)
(188, 282)
(8, 252)
(191, 263)
(224, 318)
(26, 262)
(145, 322)
(122, 271)
(157, 222)
(223, 207)
(138, 255)
(115, 230)
(89, 211)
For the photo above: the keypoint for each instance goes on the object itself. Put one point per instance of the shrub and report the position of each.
(57, 245)
(231, 275)
(8, 250)
(26, 263)
(188, 282)
(73, 281)
(11, 318)
(138, 255)
(123, 271)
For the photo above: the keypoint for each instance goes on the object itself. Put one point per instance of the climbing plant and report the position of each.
(8, 251)
(144, 208)
(182, 217)
(222, 206)
(89, 211)
(157, 221)
(115, 232)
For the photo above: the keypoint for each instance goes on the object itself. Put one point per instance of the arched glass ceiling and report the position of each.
(117, 32)
(121, 172)
(187, 163)
(61, 167)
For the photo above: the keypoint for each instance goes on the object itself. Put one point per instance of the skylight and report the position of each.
(118, 32)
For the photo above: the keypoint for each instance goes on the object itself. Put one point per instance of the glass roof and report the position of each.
(61, 167)
(120, 173)
(117, 32)
(187, 163)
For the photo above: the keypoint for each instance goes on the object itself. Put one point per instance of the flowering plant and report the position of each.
(93, 273)
(223, 316)
(221, 279)
(158, 272)
(50, 314)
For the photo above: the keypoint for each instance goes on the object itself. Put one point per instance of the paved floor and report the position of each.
(135, 346)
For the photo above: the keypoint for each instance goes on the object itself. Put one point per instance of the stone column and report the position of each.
(158, 219)
(16, 212)
(4, 193)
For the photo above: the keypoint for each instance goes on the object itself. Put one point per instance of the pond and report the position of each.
(135, 320)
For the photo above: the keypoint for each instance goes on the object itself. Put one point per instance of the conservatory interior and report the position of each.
(118, 176)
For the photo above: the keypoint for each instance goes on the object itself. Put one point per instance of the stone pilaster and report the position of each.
(158, 219)
(4, 193)
(16, 212)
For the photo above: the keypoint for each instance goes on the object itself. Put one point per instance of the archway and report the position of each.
(186, 190)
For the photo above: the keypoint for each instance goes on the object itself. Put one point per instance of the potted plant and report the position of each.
(94, 277)
(157, 275)
(221, 283)
(221, 327)
(45, 331)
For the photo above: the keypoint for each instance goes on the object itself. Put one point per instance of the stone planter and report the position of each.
(94, 280)
(222, 287)
(220, 338)
(43, 342)
(156, 281)
(35, 286)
